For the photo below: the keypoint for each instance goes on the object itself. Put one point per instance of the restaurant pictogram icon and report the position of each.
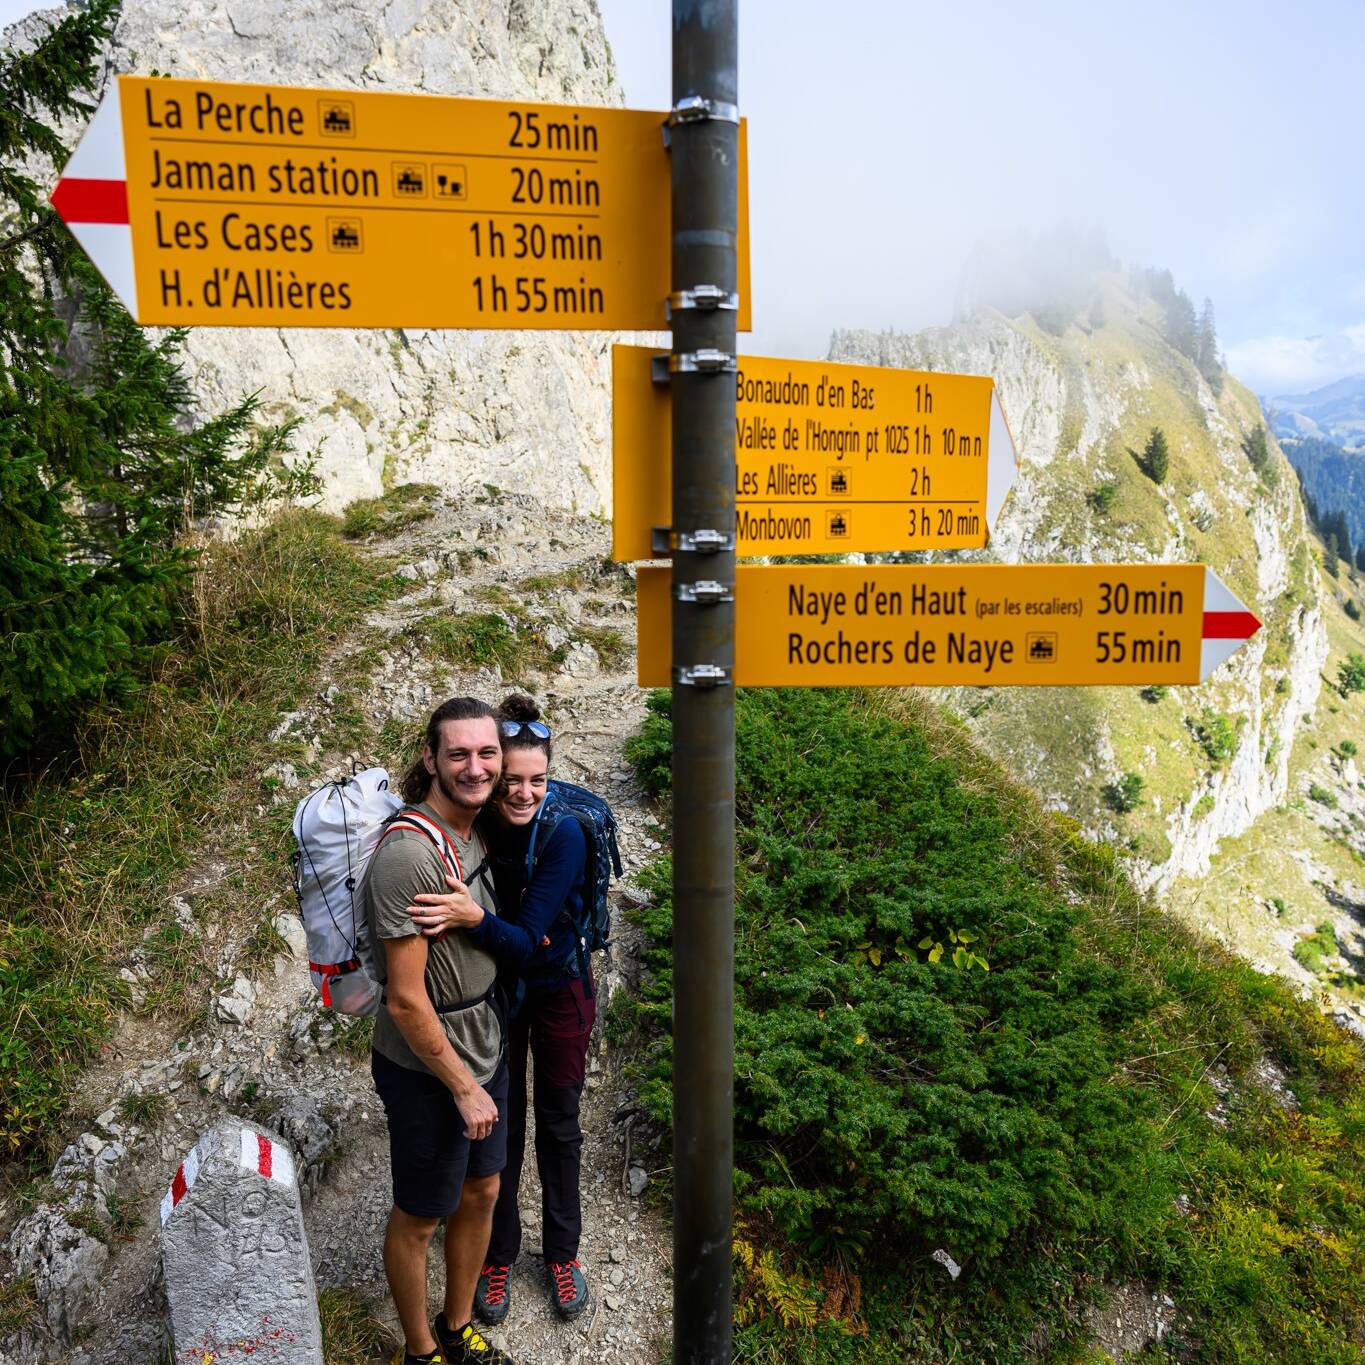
(448, 182)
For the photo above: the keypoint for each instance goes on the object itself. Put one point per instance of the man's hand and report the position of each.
(478, 1111)
(437, 912)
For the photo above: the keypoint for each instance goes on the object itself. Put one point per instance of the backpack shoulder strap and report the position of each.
(410, 819)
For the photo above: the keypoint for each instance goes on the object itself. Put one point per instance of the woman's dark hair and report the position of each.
(517, 706)
(417, 781)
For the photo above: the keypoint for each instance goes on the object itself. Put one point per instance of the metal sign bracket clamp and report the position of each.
(705, 298)
(663, 541)
(702, 675)
(697, 109)
(707, 360)
(705, 591)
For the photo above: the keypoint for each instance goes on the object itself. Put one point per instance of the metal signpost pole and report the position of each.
(704, 139)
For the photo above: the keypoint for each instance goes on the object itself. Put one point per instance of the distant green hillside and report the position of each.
(959, 1029)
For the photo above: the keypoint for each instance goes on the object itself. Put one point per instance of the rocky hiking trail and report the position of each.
(265, 1049)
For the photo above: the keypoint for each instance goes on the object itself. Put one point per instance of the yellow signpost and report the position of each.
(850, 625)
(830, 458)
(256, 205)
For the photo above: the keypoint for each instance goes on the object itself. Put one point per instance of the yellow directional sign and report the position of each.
(254, 205)
(847, 625)
(829, 458)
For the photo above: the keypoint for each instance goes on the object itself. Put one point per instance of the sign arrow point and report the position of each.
(91, 198)
(1228, 625)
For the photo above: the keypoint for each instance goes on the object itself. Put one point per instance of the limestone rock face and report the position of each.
(523, 410)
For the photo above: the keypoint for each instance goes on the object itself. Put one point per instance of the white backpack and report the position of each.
(338, 827)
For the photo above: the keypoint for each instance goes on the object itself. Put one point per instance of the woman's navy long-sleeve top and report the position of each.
(531, 911)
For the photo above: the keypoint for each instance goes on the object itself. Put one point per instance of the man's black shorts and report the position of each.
(428, 1150)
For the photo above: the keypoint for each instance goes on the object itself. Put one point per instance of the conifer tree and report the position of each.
(1331, 560)
(1181, 325)
(1156, 457)
(1206, 349)
(1337, 527)
(103, 463)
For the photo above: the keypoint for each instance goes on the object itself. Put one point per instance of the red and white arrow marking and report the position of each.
(91, 198)
(1228, 625)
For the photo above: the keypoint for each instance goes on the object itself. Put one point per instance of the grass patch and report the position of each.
(351, 1333)
(1040, 1120)
(90, 855)
(407, 505)
(611, 646)
(18, 1304)
(146, 1109)
(571, 579)
(478, 639)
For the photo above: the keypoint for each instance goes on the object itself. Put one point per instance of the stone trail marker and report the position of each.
(829, 458)
(207, 203)
(238, 1276)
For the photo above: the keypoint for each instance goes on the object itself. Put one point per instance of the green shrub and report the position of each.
(1347, 748)
(1351, 609)
(1312, 952)
(1126, 794)
(1216, 734)
(1101, 497)
(1155, 693)
(1322, 796)
(1351, 674)
(1037, 1120)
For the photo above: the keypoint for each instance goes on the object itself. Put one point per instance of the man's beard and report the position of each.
(456, 797)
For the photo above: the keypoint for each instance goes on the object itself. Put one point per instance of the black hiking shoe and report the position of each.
(492, 1294)
(568, 1288)
(467, 1346)
(405, 1357)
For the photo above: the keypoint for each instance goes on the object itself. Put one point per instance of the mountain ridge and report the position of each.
(1335, 412)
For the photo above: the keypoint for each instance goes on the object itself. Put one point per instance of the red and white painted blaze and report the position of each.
(268, 1159)
(186, 1174)
(91, 198)
(1228, 625)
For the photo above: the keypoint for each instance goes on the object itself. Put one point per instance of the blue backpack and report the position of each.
(564, 800)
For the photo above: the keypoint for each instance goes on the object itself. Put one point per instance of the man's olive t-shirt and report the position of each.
(404, 864)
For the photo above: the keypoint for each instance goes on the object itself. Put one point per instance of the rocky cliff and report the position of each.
(1081, 406)
(524, 410)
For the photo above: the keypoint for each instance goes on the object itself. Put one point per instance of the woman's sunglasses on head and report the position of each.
(512, 728)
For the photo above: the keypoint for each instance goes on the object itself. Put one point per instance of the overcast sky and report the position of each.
(1222, 140)
(887, 137)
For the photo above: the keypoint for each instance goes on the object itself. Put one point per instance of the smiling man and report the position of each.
(439, 1055)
